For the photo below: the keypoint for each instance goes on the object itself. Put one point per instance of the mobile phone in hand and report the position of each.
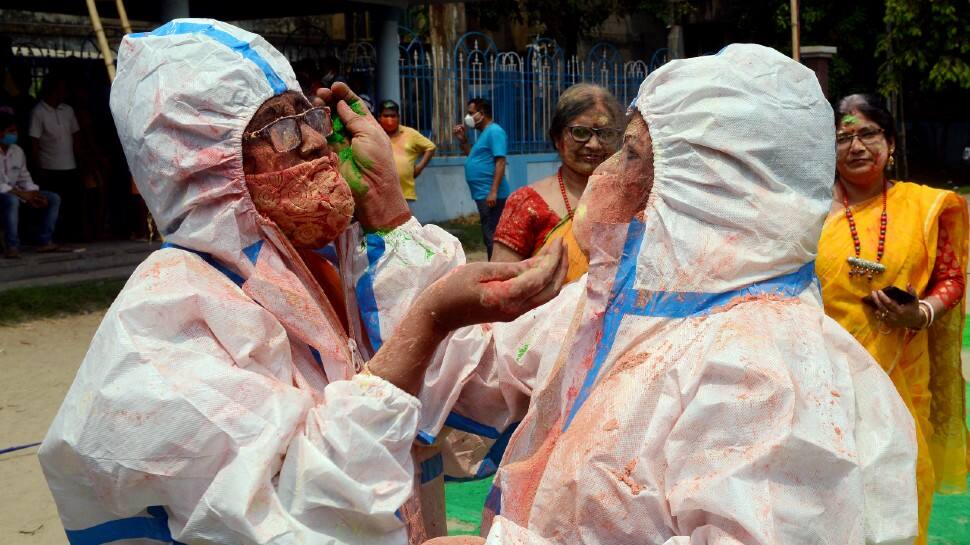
(900, 296)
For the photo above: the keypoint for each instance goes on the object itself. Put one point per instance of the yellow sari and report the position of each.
(924, 365)
(578, 264)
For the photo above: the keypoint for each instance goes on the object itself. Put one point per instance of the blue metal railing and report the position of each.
(522, 87)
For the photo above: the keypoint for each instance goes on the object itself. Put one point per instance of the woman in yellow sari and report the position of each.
(584, 129)
(883, 233)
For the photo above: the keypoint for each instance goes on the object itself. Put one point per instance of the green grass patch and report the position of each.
(468, 230)
(25, 304)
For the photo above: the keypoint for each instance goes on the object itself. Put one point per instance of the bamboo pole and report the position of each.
(123, 15)
(109, 61)
(796, 38)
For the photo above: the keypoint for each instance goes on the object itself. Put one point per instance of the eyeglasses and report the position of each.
(581, 134)
(867, 137)
(285, 134)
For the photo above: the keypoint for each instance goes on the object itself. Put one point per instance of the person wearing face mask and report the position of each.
(885, 239)
(689, 389)
(584, 131)
(485, 166)
(408, 145)
(243, 388)
(16, 187)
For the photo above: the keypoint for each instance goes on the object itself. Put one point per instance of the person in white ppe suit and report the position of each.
(690, 389)
(224, 398)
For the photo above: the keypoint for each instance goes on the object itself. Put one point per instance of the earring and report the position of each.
(892, 158)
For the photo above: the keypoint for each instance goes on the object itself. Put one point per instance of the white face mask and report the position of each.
(469, 121)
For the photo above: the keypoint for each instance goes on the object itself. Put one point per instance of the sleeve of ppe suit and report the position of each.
(887, 452)
(186, 400)
(764, 445)
(387, 272)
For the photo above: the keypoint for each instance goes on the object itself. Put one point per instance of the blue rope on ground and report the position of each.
(14, 449)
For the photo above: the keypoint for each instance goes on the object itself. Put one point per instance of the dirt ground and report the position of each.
(38, 361)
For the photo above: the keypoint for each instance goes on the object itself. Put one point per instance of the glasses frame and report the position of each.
(598, 132)
(300, 118)
(847, 143)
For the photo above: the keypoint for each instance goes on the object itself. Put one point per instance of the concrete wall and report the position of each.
(444, 195)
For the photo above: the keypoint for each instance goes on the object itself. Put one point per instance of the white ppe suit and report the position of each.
(700, 395)
(217, 402)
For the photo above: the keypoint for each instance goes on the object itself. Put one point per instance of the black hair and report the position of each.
(482, 105)
(7, 120)
(871, 106)
(389, 105)
(576, 100)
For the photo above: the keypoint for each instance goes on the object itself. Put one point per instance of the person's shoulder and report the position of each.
(495, 127)
(522, 194)
(410, 133)
(15, 151)
(924, 195)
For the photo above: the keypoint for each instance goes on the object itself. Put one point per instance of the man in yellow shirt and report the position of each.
(408, 144)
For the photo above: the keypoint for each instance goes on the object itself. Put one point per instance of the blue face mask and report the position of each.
(9, 139)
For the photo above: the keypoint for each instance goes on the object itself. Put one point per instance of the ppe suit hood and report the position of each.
(727, 208)
(181, 101)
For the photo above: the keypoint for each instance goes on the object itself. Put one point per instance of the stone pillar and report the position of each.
(388, 57)
(818, 57)
(175, 9)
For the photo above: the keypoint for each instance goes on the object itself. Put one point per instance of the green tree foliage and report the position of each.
(928, 40)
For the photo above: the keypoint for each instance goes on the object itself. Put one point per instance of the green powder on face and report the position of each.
(849, 119)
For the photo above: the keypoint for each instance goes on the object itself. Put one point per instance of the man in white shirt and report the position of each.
(54, 142)
(16, 186)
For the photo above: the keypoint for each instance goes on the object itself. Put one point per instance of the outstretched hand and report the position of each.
(365, 159)
(495, 292)
(472, 294)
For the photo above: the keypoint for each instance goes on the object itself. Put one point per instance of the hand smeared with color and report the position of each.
(366, 161)
(352, 165)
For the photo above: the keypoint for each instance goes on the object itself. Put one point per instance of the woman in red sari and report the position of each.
(585, 131)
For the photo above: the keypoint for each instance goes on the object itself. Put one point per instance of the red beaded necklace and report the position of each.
(859, 266)
(565, 197)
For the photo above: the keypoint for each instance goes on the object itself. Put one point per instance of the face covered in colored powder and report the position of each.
(618, 189)
(300, 189)
(390, 121)
(862, 150)
(581, 149)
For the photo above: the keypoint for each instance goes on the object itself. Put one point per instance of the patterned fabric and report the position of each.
(948, 279)
(408, 145)
(526, 222)
(311, 203)
(924, 365)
